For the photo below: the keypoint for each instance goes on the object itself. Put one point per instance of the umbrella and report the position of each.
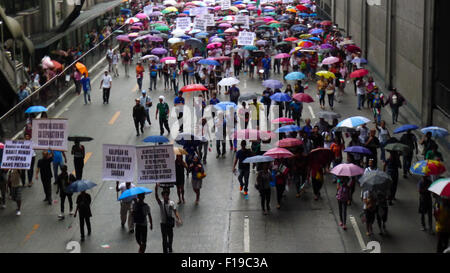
(320, 156)
(359, 73)
(326, 74)
(131, 20)
(303, 97)
(195, 59)
(436, 131)
(405, 128)
(376, 181)
(288, 129)
(80, 185)
(295, 76)
(221, 58)
(328, 115)
(2, 145)
(283, 121)
(250, 96)
(280, 97)
(156, 139)
(353, 122)
(258, 159)
(194, 42)
(291, 39)
(141, 16)
(229, 81)
(316, 31)
(150, 57)
(36, 109)
(428, 167)
(253, 134)
(154, 38)
(167, 59)
(353, 48)
(397, 147)
(230, 30)
(273, 84)
(209, 62)
(193, 88)
(358, 150)
(441, 187)
(133, 192)
(282, 56)
(81, 68)
(175, 41)
(162, 28)
(159, 51)
(250, 47)
(278, 153)
(179, 151)
(214, 45)
(330, 60)
(289, 142)
(347, 170)
(78, 138)
(225, 105)
(359, 61)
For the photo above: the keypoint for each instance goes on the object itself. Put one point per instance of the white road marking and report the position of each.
(358, 233)
(312, 112)
(246, 235)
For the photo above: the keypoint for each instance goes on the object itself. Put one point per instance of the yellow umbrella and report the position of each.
(235, 9)
(81, 68)
(171, 9)
(305, 36)
(292, 10)
(179, 151)
(326, 74)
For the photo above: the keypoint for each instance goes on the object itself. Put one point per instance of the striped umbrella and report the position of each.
(441, 187)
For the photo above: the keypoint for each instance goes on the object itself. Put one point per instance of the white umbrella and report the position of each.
(132, 20)
(178, 32)
(229, 81)
(217, 40)
(151, 57)
(169, 3)
(174, 40)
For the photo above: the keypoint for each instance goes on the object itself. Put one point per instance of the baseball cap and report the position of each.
(144, 92)
(161, 97)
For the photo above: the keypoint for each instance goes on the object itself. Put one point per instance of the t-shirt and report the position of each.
(241, 155)
(44, 165)
(83, 203)
(214, 101)
(145, 210)
(163, 108)
(86, 82)
(167, 209)
(57, 157)
(107, 81)
(153, 73)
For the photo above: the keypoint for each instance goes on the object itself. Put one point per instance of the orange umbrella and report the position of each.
(56, 65)
(81, 68)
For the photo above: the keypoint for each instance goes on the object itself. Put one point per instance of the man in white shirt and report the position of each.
(361, 92)
(363, 133)
(125, 205)
(115, 62)
(106, 84)
(202, 130)
(146, 101)
(109, 56)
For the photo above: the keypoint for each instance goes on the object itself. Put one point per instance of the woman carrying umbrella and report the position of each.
(425, 203)
(343, 196)
(281, 176)
(198, 174)
(180, 166)
(263, 185)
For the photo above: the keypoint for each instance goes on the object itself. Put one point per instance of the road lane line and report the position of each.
(114, 118)
(35, 227)
(86, 158)
(246, 235)
(312, 112)
(358, 233)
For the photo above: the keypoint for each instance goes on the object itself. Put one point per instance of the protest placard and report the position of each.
(17, 154)
(242, 20)
(148, 10)
(226, 4)
(183, 23)
(156, 164)
(50, 134)
(198, 11)
(210, 22)
(119, 162)
(200, 24)
(246, 38)
(287, 1)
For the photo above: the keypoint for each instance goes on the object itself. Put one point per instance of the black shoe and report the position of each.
(49, 202)
(131, 231)
(137, 134)
(142, 130)
(89, 233)
(82, 239)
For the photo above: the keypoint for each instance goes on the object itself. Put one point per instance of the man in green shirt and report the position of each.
(163, 109)
(434, 154)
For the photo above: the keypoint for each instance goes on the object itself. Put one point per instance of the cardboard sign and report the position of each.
(183, 23)
(243, 20)
(198, 11)
(119, 162)
(246, 38)
(50, 134)
(156, 164)
(17, 154)
(226, 4)
(148, 10)
(210, 22)
(200, 24)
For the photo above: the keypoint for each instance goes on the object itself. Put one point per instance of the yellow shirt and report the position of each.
(255, 110)
(443, 220)
(321, 85)
(189, 54)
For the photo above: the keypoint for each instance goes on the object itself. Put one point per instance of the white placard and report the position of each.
(148, 10)
(50, 134)
(183, 23)
(198, 11)
(156, 164)
(17, 154)
(244, 20)
(119, 162)
(200, 24)
(246, 38)
(209, 19)
(263, 2)
(226, 4)
(287, 1)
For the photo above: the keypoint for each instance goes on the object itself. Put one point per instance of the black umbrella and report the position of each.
(328, 115)
(376, 181)
(249, 96)
(80, 138)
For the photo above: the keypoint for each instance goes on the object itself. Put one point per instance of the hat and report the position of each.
(144, 92)
(161, 97)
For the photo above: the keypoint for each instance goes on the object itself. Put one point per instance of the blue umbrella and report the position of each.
(80, 185)
(274, 84)
(358, 150)
(36, 109)
(353, 122)
(225, 105)
(185, 37)
(258, 159)
(406, 128)
(156, 139)
(280, 97)
(288, 129)
(360, 61)
(250, 47)
(133, 192)
(304, 14)
(316, 31)
(125, 11)
(208, 62)
(314, 39)
(201, 35)
(237, 2)
(436, 131)
(298, 28)
(295, 76)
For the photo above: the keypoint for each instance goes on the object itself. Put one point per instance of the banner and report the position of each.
(246, 38)
(287, 1)
(50, 134)
(156, 164)
(226, 4)
(210, 22)
(198, 11)
(183, 23)
(200, 24)
(148, 10)
(243, 20)
(17, 154)
(119, 162)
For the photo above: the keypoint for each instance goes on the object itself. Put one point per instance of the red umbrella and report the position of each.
(301, 8)
(359, 73)
(283, 121)
(303, 97)
(193, 88)
(353, 48)
(289, 142)
(278, 153)
(320, 156)
(2, 146)
(56, 65)
(291, 39)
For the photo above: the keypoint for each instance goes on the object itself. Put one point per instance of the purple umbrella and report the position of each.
(358, 150)
(123, 38)
(155, 38)
(155, 13)
(139, 24)
(327, 46)
(261, 42)
(159, 51)
(273, 84)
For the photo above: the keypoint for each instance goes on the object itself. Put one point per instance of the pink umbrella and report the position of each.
(289, 142)
(139, 24)
(225, 25)
(347, 170)
(230, 30)
(217, 8)
(330, 60)
(2, 146)
(167, 59)
(221, 58)
(141, 16)
(214, 45)
(133, 35)
(302, 97)
(135, 27)
(283, 121)
(253, 134)
(251, 7)
(123, 38)
(282, 56)
(278, 153)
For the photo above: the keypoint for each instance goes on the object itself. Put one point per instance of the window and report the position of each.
(12, 7)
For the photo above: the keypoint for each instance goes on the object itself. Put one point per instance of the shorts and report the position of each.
(141, 234)
(16, 193)
(196, 184)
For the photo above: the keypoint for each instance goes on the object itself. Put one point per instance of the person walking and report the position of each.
(377, 102)
(167, 209)
(126, 61)
(139, 116)
(361, 92)
(410, 140)
(63, 181)
(163, 109)
(281, 176)
(369, 208)
(179, 108)
(86, 82)
(146, 102)
(316, 179)
(30, 172)
(244, 168)
(58, 162)
(266, 63)
(234, 94)
(343, 196)
(331, 90)
(381, 211)
(263, 185)
(115, 63)
(140, 212)
(79, 153)
(396, 101)
(392, 165)
(198, 174)
(180, 166)
(84, 207)
(203, 131)
(106, 84)
(321, 87)
(383, 138)
(126, 206)
(425, 203)
(221, 133)
(153, 70)
(16, 188)
(44, 168)
(442, 215)
(139, 74)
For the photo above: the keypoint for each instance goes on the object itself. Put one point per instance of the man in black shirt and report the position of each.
(316, 138)
(44, 167)
(244, 168)
(139, 116)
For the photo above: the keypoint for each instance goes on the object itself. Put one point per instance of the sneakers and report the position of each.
(18, 213)
(61, 216)
(71, 212)
(241, 188)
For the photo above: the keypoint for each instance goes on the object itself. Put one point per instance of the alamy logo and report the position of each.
(74, 247)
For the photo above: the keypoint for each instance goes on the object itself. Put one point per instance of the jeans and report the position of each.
(125, 209)
(407, 159)
(185, 78)
(141, 123)
(382, 215)
(63, 196)
(317, 185)
(237, 69)
(166, 81)
(204, 147)
(266, 74)
(167, 237)
(78, 162)
(342, 211)
(84, 219)
(106, 92)
(394, 175)
(55, 169)
(139, 82)
(141, 236)
(331, 100)
(244, 174)
(127, 69)
(361, 101)
(153, 82)
(115, 70)
(280, 191)
(218, 142)
(163, 123)
(3, 187)
(147, 117)
(88, 95)
(265, 198)
(383, 151)
(47, 185)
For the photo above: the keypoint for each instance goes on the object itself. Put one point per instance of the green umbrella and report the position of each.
(264, 26)
(282, 44)
(250, 48)
(119, 31)
(275, 25)
(156, 25)
(272, 13)
(162, 28)
(397, 147)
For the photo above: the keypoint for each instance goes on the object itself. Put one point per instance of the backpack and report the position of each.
(138, 213)
(343, 194)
